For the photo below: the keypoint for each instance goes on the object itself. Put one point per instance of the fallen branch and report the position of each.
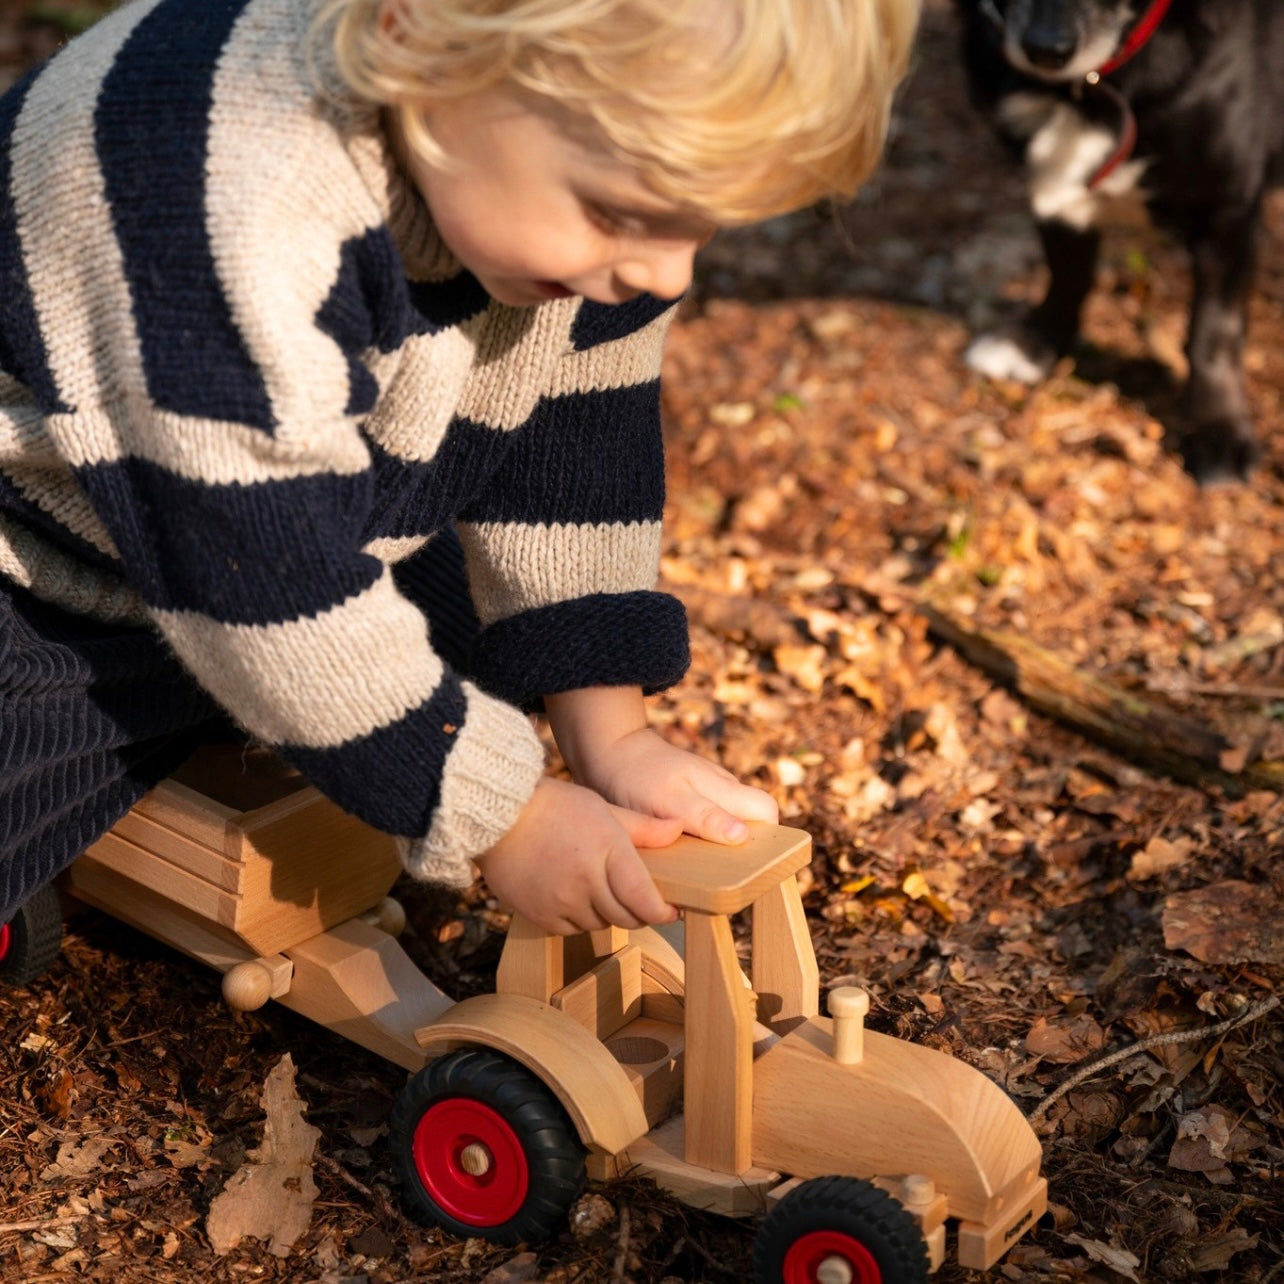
(42, 1223)
(1153, 1041)
(1142, 731)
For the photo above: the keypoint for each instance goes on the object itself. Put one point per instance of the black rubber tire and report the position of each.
(846, 1206)
(34, 938)
(539, 1127)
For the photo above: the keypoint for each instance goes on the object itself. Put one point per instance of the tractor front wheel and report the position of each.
(839, 1230)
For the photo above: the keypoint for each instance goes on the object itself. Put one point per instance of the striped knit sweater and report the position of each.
(241, 378)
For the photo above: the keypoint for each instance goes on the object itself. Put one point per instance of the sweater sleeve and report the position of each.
(563, 547)
(207, 364)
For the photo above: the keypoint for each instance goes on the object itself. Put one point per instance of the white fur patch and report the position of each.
(1063, 154)
(998, 357)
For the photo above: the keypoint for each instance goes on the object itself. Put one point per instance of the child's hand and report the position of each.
(570, 863)
(642, 771)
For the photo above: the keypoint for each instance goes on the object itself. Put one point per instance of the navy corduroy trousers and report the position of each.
(93, 716)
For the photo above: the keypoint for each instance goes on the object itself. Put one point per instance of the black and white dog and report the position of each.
(1179, 102)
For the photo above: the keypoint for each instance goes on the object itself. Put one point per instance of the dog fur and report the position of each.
(1206, 92)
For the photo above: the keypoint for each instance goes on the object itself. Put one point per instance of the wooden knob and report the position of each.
(849, 1001)
(392, 916)
(475, 1159)
(388, 916)
(848, 1005)
(247, 986)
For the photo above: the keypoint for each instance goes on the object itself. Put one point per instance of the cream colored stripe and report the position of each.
(22, 427)
(413, 415)
(54, 577)
(315, 682)
(282, 197)
(517, 350)
(395, 548)
(75, 268)
(54, 491)
(208, 450)
(515, 567)
(493, 768)
(621, 363)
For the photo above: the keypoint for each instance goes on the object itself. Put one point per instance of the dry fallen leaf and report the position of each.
(1214, 1252)
(80, 1159)
(270, 1196)
(1208, 1140)
(1227, 922)
(1119, 1260)
(1158, 856)
(1065, 1041)
(522, 1269)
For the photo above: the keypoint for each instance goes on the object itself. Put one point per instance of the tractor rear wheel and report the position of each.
(485, 1149)
(31, 940)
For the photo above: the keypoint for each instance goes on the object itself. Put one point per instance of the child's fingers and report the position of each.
(739, 799)
(634, 890)
(705, 819)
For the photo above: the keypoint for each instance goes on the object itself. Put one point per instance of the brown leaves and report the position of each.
(1209, 1140)
(1065, 1041)
(1227, 922)
(270, 1196)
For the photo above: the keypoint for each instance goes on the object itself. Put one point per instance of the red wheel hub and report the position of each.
(809, 1254)
(6, 938)
(471, 1162)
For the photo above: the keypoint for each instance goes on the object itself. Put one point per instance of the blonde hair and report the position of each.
(738, 109)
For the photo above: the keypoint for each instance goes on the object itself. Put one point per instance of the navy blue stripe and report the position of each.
(586, 457)
(255, 554)
(14, 503)
(22, 347)
(373, 306)
(391, 778)
(151, 131)
(600, 322)
(446, 303)
(619, 639)
(361, 311)
(418, 498)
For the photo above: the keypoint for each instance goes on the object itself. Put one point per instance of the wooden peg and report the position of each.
(848, 1005)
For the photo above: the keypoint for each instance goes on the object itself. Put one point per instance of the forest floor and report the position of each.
(851, 513)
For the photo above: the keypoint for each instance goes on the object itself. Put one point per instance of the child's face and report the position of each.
(537, 214)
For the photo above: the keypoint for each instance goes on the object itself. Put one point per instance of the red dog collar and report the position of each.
(1137, 37)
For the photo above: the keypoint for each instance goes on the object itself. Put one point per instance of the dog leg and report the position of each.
(1218, 442)
(1028, 350)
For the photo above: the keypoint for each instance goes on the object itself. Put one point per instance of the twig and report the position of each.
(622, 1253)
(1153, 1041)
(348, 1179)
(41, 1223)
(1237, 689)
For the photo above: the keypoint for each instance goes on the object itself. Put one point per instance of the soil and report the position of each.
(1010, 884)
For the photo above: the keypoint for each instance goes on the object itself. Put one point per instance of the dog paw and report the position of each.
(1220, 453)
(1010, 354)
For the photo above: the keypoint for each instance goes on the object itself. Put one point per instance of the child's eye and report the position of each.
(614, 222)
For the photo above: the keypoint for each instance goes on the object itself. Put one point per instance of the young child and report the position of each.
(329, 406)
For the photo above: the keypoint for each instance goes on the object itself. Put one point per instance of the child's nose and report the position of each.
(664, 271)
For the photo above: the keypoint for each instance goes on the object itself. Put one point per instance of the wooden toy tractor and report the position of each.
(598, 1054)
